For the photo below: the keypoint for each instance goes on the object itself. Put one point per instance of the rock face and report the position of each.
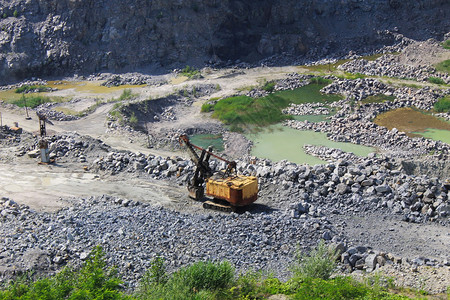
(55, 37)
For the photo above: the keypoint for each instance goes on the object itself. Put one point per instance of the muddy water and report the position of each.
(415, 123)
(279, 142)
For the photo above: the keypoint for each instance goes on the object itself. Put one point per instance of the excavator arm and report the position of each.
(202, 169)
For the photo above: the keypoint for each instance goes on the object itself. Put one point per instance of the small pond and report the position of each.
(279, 142)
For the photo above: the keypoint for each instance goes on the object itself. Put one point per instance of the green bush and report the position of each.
(320, 263)
(190, 72)
(436, 80)
(92, 281)
(269, 86)
(340, 288)
(133, 119)
(442, 105)
(32, 101)
(205, 276)
(15, 13)
(126, 94)
(27, 88)
(202, 280)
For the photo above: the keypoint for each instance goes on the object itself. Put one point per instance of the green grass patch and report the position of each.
(207, 107)
(442, 105)
(242, 112)
(380, 98)
(443, 66)
(31, 101)
(436, 80)
(34, 88)
(446, 44)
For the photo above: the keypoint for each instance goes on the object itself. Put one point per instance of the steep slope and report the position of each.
(54, 37)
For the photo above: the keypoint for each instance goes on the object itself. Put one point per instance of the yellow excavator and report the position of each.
(228, 190)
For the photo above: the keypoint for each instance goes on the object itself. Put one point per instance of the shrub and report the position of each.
(190, 72)
(28, 88)
(133, 119)
(15, 13)
(269, 87)
(436, 80)
(202, 280)
(320, 263)
(205, 276)
(126, 94)
(442, 105)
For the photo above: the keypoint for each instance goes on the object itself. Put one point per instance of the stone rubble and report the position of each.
(306, 109)
(387, 65)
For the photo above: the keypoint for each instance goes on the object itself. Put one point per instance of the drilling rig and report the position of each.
(228, 190)
(43, 144)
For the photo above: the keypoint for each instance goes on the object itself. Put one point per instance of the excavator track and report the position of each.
(214, 205)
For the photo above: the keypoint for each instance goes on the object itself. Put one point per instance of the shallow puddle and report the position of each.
(436, 134)
(278, 142)
(415, 123)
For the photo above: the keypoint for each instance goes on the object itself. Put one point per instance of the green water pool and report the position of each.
(436, 134)
(279, 142)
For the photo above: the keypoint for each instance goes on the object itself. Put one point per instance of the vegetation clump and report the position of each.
(436, 80)
(443, 66)
(31, 88)
(32, 101)
(446, 44)
(93, 281)
(201, 280)
(269, 87)
(442, 105)
(190, 72)
(243, 112)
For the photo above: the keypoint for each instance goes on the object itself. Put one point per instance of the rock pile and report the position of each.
(331, 154)
(306, 109)
(132, 233)
(293, 81)
(24, 83)
(127, 79)
(388, 65)
(358, 89)
(47, 109)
